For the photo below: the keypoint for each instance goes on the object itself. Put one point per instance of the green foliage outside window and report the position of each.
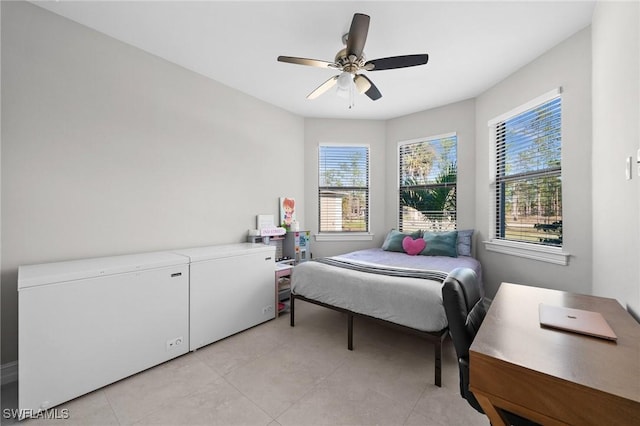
(428, 181)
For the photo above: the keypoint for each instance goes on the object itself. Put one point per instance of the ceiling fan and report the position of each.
(351, 60)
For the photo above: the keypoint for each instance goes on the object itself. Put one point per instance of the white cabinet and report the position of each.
(231, 289)
(87, 323)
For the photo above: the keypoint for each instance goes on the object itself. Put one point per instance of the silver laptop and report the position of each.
(576, 320)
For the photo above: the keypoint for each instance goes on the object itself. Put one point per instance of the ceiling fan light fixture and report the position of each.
(345, 80)
(346, 87)
(362, 83)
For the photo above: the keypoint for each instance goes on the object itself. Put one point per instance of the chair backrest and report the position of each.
(465, 311)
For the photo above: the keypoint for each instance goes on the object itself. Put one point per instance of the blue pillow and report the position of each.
(441, 244)
(464, 242)
(393, 241)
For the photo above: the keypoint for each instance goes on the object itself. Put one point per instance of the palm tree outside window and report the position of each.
(427, 184)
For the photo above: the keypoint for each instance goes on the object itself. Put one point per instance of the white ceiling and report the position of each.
(471, 45)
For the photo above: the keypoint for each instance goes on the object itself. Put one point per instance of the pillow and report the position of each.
(393, 242)
(413, 246)
(464, 242)
(441, 244)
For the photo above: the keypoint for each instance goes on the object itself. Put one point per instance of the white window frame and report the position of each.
(417, 140)
(345, 236)
(544, 253)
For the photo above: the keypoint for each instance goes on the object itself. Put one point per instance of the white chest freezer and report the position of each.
(87, 323)
(232, 288)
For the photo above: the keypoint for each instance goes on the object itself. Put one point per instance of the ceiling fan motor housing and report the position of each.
(350, 63)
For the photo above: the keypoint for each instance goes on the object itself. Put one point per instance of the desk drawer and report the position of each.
(513, 387)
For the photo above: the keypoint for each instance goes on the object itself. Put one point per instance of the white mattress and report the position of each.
(412, 302)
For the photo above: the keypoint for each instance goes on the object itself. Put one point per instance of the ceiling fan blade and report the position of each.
(323, 87)
(362, 83)
(396, 62)
(357, 34)
(372, 92)
(309, 62)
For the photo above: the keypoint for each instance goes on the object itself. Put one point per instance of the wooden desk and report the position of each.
(551, 376)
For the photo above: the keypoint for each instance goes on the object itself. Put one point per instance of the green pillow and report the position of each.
(441, 244)
(393, 242)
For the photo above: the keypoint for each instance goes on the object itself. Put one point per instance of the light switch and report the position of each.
(628, 170)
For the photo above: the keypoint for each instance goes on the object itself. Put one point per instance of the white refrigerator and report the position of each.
(88, 323)
(232, 288)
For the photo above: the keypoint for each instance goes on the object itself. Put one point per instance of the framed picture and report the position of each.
(287, 211)
(265, 221)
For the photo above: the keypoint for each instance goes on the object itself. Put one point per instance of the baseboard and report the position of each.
(9, 372)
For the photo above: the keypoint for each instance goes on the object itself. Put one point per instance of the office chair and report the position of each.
(465, 312)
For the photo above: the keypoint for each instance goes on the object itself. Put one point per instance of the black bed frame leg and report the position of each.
(437, 346)
(350, 332)
(292, 310)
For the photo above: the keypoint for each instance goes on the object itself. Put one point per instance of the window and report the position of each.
(427, 184)
(343, 190)
(528, 177)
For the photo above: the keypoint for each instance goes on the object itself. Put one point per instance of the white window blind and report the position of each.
(427, 187)
(528, 193)
(343, 191)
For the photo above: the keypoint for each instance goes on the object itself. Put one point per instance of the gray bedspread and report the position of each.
(410, 301)
(402, 260)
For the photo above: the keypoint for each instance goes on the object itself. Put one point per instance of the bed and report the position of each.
(387, 286)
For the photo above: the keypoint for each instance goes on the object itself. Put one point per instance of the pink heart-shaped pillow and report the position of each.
(413, 247)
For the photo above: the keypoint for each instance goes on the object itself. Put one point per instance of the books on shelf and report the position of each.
(284, 283)
(283, 306)
(283, 276)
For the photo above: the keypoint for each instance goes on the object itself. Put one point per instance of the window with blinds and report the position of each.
(427, 189)
(528, 193)
(343, 191)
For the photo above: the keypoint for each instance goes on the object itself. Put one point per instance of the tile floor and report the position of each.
(276, 375)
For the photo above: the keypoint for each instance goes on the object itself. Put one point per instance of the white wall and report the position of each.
(370, 132)
(567, 65)
(616, 136)
(109, 150)
(458, 118)
(383, 137)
